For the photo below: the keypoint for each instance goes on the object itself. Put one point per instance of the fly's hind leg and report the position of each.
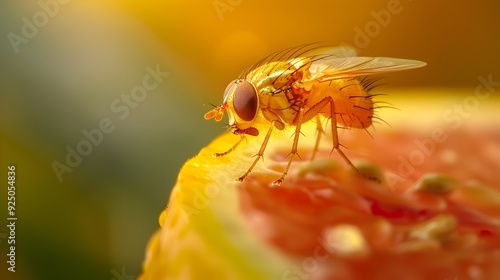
(336, 144)
(314, 111)
(319, 131)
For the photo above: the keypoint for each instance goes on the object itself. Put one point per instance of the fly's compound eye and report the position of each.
(229, 90)
(245, 100)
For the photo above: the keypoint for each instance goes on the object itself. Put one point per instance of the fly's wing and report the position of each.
(325, 67)
(334, 52)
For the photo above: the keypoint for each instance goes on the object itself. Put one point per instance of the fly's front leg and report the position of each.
(260, 153)
(242, 136)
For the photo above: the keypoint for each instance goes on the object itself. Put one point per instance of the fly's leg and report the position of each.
(260, 153)
(320, 131)
(242, 136)
(293, 153)
(313, 111)
(336, 144)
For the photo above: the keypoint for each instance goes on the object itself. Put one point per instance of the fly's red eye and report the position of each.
(228, 90)
(245, 100)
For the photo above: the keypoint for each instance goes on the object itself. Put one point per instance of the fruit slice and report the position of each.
(435, 214)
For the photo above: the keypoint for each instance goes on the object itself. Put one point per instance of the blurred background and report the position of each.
(68, 66)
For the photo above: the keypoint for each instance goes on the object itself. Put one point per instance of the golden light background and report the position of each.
(87, 54)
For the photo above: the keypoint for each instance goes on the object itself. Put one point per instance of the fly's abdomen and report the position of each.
(353, 103)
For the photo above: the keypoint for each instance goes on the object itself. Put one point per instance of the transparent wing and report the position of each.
(334, 52)
(328, 68)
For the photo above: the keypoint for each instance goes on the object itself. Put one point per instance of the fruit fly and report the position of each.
(298, 85)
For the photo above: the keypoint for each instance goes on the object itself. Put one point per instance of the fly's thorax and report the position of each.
(242, 101)
(278, 74)
(273, 82)
(278, 106)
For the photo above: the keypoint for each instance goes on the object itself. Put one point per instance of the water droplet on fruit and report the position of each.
(347, 240)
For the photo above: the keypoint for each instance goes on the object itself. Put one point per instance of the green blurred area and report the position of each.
(83, 56)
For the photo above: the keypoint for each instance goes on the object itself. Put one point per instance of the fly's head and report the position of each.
(241, 101)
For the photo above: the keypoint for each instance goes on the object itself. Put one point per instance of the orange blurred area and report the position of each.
(141, 74)
(224, 37)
